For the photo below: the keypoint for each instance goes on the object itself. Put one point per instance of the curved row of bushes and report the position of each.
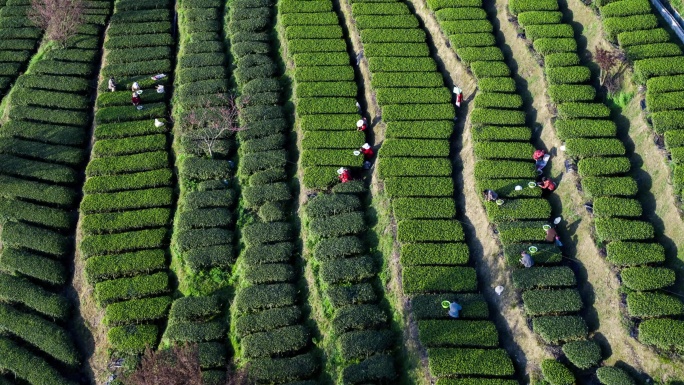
(658, 61)
(202, 245)
(504, 161)
(591, 139)
(42, 150)
(19, 40)
(128, 200)
(324, 89)
(360, 341)
(415, 164)
(268, 322)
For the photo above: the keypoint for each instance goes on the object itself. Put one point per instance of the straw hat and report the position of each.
(340, 170)
(365, 146)
(359, 123)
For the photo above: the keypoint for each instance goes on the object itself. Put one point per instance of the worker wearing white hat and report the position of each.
(367, 151)
(362, 124)
(344, 175)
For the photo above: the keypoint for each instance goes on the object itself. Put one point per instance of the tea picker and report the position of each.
(362, 124)
(111, 85)
(453, 307)
(344, 174)
(541, 158)
(526, 259)
(459, 96)
(492, 196)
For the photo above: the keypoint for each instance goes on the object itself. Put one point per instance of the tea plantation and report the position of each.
(293, 190)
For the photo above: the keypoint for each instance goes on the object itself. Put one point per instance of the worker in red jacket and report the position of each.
(538, 154)
(362, 124)
(367, 151)
(546, 184)
(344, 174)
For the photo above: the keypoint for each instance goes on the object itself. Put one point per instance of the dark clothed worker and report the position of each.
(454, 308)
(111, 85)
(490, 195)
(526, 259)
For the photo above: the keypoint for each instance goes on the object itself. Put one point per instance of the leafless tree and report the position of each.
(178, 365)
(213, 121)
(59, 19)
(611, 64)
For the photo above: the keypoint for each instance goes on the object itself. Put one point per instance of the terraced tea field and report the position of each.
(294, 192)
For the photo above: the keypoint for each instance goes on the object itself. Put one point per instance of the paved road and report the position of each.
(672, 18)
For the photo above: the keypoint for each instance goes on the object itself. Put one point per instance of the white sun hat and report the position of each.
(365, 146)
(359, 123)
(340, 170)
(158, 123)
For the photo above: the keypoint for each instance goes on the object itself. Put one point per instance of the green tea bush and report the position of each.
(269, 273)
(588, 167)
(355, 294)
(45, 133)
(358, 318)
(46, 336)
(543, 277)
(547, 46)
(284, 369)
(279, 341)
(424, 208)
(649, 305)
(364, 343)
(258, 195)
(396, 64)
(610, 375)
(125, 220)
(504, 169)
(518, 209)
(132, 339)
(259, 297)
(497, 100)
(137, 310)
(653, 50)
(267, 320)
(651, 36)
(667, 334)
(626, 8)
(483, 70)
(379, 9)
(527, 231)
(509, 135)
(616, 25)
(488, 116)
(33, 266)
(504, 150)
(25, 365)
(616, 207)
(473, 54)
(571, 93)
(429, 231)
(107, 292)
(647, 278)
(424, 130)
(106, 267)
(436, 333)
(348, 270)
(581, 148)
(378, 367)
(339, 247)
(614, 229)
(195, 332)
(343, 88)
(436, 5)
(401, 79)
(16, 290)
(338, 225)
(556, 329)
(634, 253)
(551, 302)
(427, 187)
(667, 120)
(405, 167)
(666, 66)
(205, 258)
(583, 354)
(496, 85)
(326, 205)
(19, 235)
(616, 186)
(556, 373)
(482, 362)
(413, 95)
(583, 110)
(534, 32)
(585, 128)
(434, 254)
(437, 279)
(539, 17)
